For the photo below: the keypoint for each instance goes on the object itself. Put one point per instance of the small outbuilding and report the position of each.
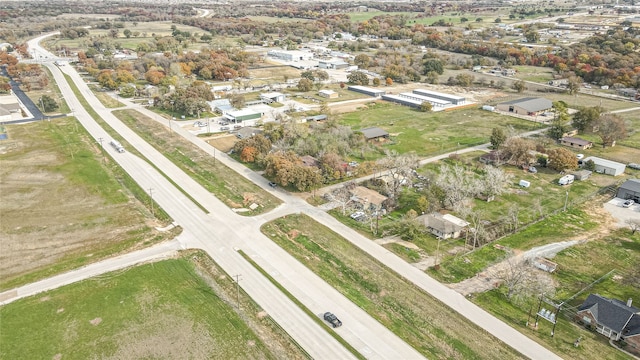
(273, 97)
(329, 94)
(582, 174)
(604, 166)
(526, 106)
(374, 133)
(576, 143)
(630, 189)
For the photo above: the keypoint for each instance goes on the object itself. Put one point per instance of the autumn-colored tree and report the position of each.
(106, 79)
(498, 137)
(389, 81)
(154, 76)
(376, 81)
(518, 150)
(561, 159)
(305, 84)
(358, 78)
(248, 154)
(611, 128)
(426, 106)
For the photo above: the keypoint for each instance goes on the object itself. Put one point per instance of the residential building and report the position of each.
(290, 55)
(367, 199)
(576, 142)
(612, 318)
(630, 189)
(238, 116)
(443, 226)
(604, 166)
(329, 94)
(526, 106)
(273, 97)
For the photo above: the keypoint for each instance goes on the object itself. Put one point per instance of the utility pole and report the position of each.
(566, 199)
(101, 147)
(214, 154)
(151, 200)
(237, 290)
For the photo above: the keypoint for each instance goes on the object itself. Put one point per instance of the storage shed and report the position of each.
(367, 90)
(604, 166)
(526, 106)
(576, 142)
(630, 189)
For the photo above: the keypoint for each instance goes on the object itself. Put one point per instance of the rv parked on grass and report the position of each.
(566, 180)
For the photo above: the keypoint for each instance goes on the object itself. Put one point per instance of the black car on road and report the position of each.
(332, 319)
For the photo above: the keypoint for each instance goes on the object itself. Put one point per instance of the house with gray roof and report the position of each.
(630, 189)
(443, 226)
(526, 106)
(612, 318)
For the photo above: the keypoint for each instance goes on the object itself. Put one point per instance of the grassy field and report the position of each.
(423, 322)
(171, 309)
(147, 31)
(431, 133)
(231, 188)
(63, 205)
(560, 227)
(579, 267)
(534, 73)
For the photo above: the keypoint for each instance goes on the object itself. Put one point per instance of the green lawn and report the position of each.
(158, 310)
(231, 188)
(560, 227)
(419, 319)
(431, 133)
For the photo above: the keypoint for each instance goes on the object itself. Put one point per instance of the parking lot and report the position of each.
(620, 213)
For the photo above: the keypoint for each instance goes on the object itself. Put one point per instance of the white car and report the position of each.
(580, 156)
(628, 203)
(358, 215)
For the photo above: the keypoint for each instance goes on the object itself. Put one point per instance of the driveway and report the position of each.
(621, 214)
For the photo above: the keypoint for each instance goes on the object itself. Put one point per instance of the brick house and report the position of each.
(612, 318)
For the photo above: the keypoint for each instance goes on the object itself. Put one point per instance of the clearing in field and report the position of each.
(173, 309)
(62, 206)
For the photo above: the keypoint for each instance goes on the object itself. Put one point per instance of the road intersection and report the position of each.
(222, 232)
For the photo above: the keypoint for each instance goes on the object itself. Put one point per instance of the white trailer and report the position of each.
(566, 180)
(116, 145)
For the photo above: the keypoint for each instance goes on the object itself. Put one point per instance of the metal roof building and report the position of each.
(604, 166)
(367, 90)
(526, 106)
(453, 99)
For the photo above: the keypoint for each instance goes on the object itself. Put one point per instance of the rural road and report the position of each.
(221, 232)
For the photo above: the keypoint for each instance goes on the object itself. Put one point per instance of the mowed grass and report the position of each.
(579, 268)
(423, 322)
(559, 227)
(227, 185)
(434, 132)
(159, 310)
(63, 205)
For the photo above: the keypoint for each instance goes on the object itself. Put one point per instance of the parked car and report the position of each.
(353, 163)
(237, 127)
(580, 156)
(358, 215)
(628, 203)
(224, 128)
(634, 166)
(273, 185)
(332, 319)
(533, 170)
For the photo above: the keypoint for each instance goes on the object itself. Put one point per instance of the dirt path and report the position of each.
(492, 276)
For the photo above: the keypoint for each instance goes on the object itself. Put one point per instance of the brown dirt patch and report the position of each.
(96, 321)
(57, 357)
(223, 143)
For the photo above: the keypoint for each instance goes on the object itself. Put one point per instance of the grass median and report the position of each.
(428, 325)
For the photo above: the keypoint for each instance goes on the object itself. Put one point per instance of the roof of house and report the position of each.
(373, 132)
(531, 104)
(272, 95)
(611, 313)
(443, 223)
(328, 92)
(371, 196)
(576, 140)
(604, 162)
(631, 184)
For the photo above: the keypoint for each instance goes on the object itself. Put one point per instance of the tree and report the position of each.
(519, 86)
(426, 106)
(586, 117)
(388, 81)
(634, 225)
(574, 84)
(518, 151)
(362, 60)
(513, 274)
(611, 128)
(590, 165)
(127, 91)
(532, 36)
(308, 75)
(376, 82)
(400, 169)
(47, 103)
(237, 101)
(560, 120)
(465, 80)
(358, 78)
(127, 33)
(494, 182)
(432, 77)
(431, 64)
(561, 159)
(497, 138)
(305, 84)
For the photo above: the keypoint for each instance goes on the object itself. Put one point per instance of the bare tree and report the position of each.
(494, 182)
(611, 128)
(342, 196)
(634, 225)
(513, 274)
(400, 169)
(456, 184)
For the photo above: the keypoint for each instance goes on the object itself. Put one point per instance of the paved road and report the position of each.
(456, 301)
(221, 232)
(218, 234)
